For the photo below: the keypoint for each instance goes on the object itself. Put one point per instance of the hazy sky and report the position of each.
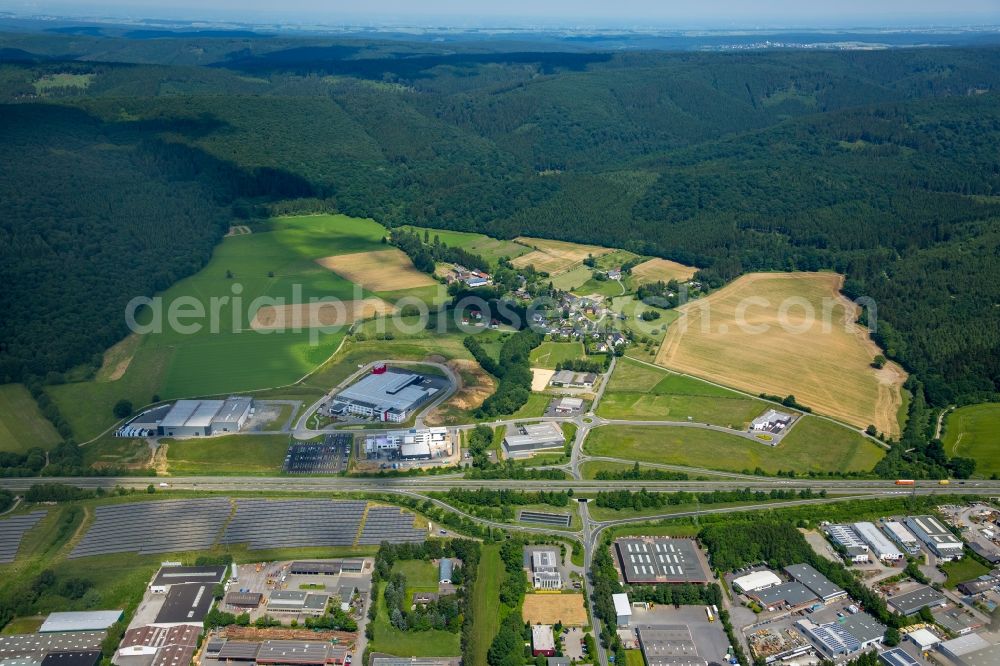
(662, 13)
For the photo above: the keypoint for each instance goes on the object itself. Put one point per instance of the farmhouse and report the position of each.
(385, 395)
(200, 418)
(936, 536)
(653, 560)
(570, 379)
(524, 439)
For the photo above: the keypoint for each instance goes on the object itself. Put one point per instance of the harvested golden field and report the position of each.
(318, 315)
(787, 333)
(657, 270)
(381, 270)
(554, 256)
(553, 607)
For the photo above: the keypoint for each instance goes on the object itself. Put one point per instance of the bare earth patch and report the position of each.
(317, 315)
(382, 270)
(117, 359)
(554, 256)
(823, 361)
(238, 230)
(661, 270)
(477, 385)
(540, 378)
(552, 608)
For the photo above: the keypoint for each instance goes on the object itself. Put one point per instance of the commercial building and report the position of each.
(866, 629)
(815, 581)
(978, 586)
(971, 650)
(567, 405)
(297, 601)
(158, 646)
(897, 657)
(543, 643)
(304, 568)
(771, 421)
(669, 645)
(200, 418)
(545, 570)
(882, 548)
(831, 639)
(661, 560)
(911, 602)
(185, 603)
(794, 595)
(623, 609)
(524, 439)
(80, 621)
(412, 444)
(178, 575)
(299, 653)
(849, 542)
(902, 536)
(924, 639)
(444, 571)
(36, 646)
(956, 620)
(77, 658)
(936, 536)
(755, 581)
(390, 395)
(570, 379)
(243, 600)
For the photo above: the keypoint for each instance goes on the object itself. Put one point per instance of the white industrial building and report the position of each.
(525, 439)
(383, 395)
(623, 609)
(758, 580)
(79, 621)
(852, 544)
(200, 418)
(412, 444)
(545, 570)
(771, 421)
(936, 536)
(904, 537)
(881, 547)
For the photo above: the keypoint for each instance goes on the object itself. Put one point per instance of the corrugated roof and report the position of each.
(80, 620)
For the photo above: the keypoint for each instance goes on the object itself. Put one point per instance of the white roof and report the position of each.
(900, 532)
(622, 606)
(756, 581)
(542, 638)
(924, 638)
(877, 540)
(80, 620)
(964, 645)
(408, 450)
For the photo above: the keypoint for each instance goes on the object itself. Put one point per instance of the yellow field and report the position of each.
(657, 270)
(554, 256)
(551, 608)
(381, 270)
(318, 315)
(823, 360)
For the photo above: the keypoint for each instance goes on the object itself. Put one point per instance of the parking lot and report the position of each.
(329, 457)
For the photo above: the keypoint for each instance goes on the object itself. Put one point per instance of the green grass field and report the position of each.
(433, 643)
(420, 575)
(638, 391)
(488, 248)
(486, 602)
(549, 354)
(974, 432)
(22, 425)
(232, 454)
(572, 279)
(277, 262)
(962, 570)
(634, 658)
(716, 450)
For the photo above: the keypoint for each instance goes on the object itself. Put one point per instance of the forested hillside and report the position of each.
(882, 165)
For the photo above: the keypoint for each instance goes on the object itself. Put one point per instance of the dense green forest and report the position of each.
(880, 164)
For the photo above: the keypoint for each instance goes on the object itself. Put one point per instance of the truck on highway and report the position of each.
(943, 482)
(905, 482)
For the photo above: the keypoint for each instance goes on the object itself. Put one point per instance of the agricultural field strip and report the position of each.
(181, 525)
(12, 530)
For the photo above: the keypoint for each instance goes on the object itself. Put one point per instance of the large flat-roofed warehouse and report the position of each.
(80, 621)
(815, 581)
(412, 444)
(300, 653)
(792, 594)
(296, 601)
(913, 601)
(661, 560)
(158, 646)
(390, 395)
(756, 580)
(75, 658)
(883, 549)
(199, 418)
(669, 645)
(904, 537)
(524, 439)
(36, 646)
(185, 603)
(305, 568)
(177, 575)
(971, 650)
(936, 536)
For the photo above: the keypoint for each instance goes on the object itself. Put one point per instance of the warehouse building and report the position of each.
(669, 645)
(36, 646)
(297, 601)
(80, 621)
(303, 568)
(567, 405)
(882, 548)
(76, 658)
(652, 560)
(243, 600)
(897, 657)
(278, 653)
(545, 570)
(543, 643)
(185, 603)
(936, 536)
(158, 646)
(854, 634)
(795, 595)
(525, 439)
(849, 542)
(390, 395)
(971, 650)
(570, 379)
(902, 536)
(822, 586)
(412, 444)
(177, 575)
(623, 609)
(444, 571)
(200, 418)
(755, 581)
(911, 602)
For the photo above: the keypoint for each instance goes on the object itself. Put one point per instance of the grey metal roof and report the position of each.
(232, 409)
(243, 598)
(80, 620)
(391, 390)
(793, 594)
(863, 627)
(660, 560)
(302, 567)
(239, 650)
(911, 602)
(293, 652)
(814, 580)
(19, 646)
(316, 602)
(76, 658)
(187, 602)
(177, 575)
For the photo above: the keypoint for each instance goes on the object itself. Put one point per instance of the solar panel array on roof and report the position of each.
(154, 527)
(11, 531)
(264, 524)
(392, 524)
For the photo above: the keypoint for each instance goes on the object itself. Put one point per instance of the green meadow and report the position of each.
(22, 425)
(246, 272)
(490, 249)
(549, 354)
(974, 432)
